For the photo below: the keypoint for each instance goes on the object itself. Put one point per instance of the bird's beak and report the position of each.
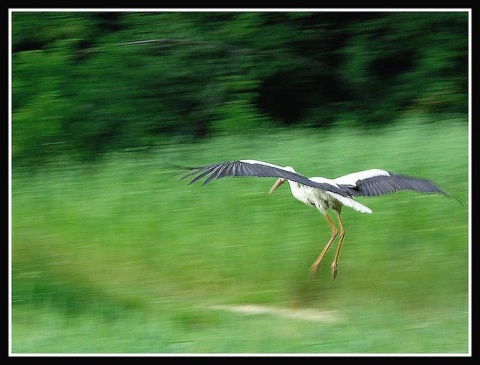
(276, 185)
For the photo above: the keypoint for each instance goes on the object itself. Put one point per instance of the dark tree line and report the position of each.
(88, 82)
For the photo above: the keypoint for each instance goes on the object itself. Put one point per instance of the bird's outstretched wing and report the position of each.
(377, 182)
(256, 168)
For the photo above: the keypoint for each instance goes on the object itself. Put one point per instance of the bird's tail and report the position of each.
(349, 202)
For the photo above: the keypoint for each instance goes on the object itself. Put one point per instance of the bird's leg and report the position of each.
(316, 264)
(342, 235)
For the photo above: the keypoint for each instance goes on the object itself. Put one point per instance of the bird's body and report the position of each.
(322, 193)
(324, 200)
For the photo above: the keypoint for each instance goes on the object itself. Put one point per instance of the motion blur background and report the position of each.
(111, 253)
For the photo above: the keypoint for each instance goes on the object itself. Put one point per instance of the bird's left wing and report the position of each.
(255, 168)
(377, 182)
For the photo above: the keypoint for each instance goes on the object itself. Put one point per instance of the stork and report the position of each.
(319, 192)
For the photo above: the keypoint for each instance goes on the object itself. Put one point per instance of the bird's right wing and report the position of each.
(255, 168)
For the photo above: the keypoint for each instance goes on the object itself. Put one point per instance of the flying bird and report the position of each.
(319, 192)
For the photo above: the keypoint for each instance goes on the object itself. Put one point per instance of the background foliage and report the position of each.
(84, 83)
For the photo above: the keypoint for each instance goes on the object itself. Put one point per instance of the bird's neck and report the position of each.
(297, 191)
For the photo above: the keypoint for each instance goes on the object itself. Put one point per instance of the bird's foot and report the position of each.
(314, 270)
(334, 270)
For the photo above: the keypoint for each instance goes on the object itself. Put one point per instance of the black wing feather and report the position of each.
(218, 172)
(382, 185)
(239, 168)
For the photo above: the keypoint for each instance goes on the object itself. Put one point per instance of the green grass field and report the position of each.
(122, 257)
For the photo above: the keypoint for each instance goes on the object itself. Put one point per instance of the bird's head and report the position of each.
(280, 181)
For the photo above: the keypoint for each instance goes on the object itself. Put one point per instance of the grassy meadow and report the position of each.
(123, 257)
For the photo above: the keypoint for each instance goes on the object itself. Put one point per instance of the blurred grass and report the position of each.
(122, 257)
